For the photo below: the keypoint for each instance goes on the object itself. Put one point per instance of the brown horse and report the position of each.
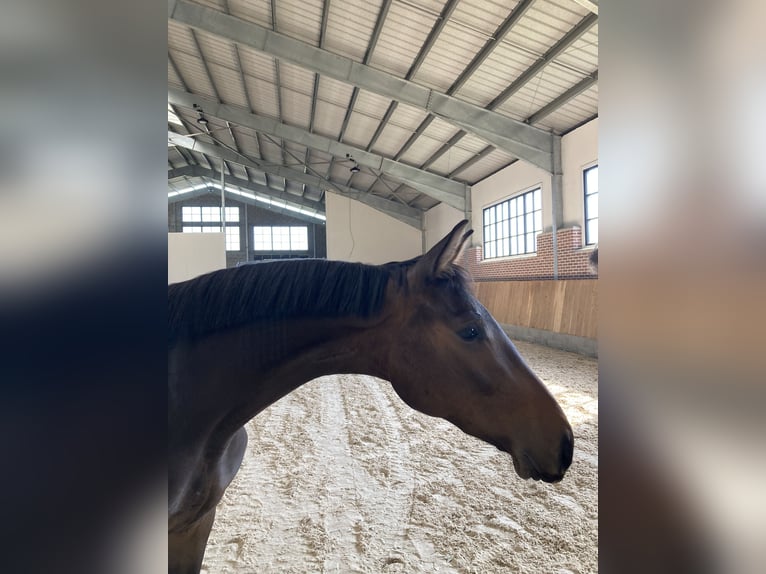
(239, 339)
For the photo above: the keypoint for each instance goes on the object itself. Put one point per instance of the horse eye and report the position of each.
(470, 333)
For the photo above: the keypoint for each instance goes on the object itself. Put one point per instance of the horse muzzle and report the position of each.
(527, 466)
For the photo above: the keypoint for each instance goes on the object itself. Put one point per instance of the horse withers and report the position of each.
(240, 339)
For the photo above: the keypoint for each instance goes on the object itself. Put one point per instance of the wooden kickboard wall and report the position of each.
(566, 306)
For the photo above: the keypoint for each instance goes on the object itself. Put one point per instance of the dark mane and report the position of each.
(274, 290)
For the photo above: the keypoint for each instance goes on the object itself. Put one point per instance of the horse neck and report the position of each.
(245, 370)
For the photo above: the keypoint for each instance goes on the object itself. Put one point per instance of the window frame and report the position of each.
(509, 221)
(585, 195)
(291, 238)
(203, 221)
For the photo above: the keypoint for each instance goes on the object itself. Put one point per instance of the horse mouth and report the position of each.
(532, 471)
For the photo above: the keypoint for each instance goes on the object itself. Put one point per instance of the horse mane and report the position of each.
(274, 290)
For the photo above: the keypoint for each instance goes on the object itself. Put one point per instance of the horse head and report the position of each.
(447, 357)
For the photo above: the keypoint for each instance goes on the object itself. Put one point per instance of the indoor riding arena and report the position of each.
(350, 133)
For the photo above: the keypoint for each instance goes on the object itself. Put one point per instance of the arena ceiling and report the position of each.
(399, 104)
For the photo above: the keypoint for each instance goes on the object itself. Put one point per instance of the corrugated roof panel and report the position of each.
(334, 91)
(440, 130)
(452, 158)
(256, 11)
(328, 119)
(451, 53)
(257, 64)
(300, 19)
(180, 38)
(360, 129)
(173, 79)
(420, 152)
(263, 96)
(296, 78)
(296, 108)
(371, 105)
(349, 27)
(544, 24)
(408, 117)
(229, 85)
(391, 140)
(582, 54)
(484, 167)
(247, 142)
(404, 32)
(193, 73)
(575, 111)
(541, 89)
(239, 171)
(500, 69)
(483, 15)
(472, 143)
(216, 50)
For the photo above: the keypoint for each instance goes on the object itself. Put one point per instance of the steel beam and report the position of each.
(405, 214)
(198, 171)
(519, 139)
(552, 53)
(502, 31)
(559, 101)
(243, 199)
(431, 184)
(444, 17)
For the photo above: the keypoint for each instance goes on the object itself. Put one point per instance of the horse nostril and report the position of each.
(567, 448)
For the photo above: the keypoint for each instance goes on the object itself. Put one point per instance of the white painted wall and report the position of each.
(579, 149)
(439, 221)
(356, 232)
(193, 254)
(506, 183)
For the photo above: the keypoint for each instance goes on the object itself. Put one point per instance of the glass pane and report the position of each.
(505, 210)
(505, 247)
(591, 180)
(514, 231)
(262, 238)
(232, 238)
(281, 238)
(486, 217)
(506, 228)
(192, 229)
(529, 202)
(593, 231)
(491, 215)
(186, 213)
(538, 220)
(530, 246)
(299, 239)
(538, 199)
(514, 246)
(211, 229)
(530, 222)
(591, 206)
(513, 208)
(232, 214)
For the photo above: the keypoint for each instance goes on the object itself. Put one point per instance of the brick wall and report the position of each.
(573, 260)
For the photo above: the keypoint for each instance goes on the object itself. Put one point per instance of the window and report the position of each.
(511, 227)
(201, 217)
(280, 238)
(590, 185)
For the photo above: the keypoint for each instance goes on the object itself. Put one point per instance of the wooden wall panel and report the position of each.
(567, 306)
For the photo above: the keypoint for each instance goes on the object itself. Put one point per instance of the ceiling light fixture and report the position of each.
(354, 169)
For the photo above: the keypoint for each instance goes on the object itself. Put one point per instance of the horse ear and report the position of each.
(440, 257)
